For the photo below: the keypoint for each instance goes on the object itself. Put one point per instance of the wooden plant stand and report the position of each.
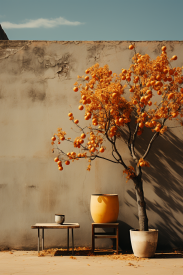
(109, 235)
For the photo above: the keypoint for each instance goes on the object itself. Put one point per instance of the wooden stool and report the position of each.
(109, 235)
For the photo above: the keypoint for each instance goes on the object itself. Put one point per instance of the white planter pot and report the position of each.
(144, 243)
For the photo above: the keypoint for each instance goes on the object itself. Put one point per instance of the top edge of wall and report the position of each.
(88, 41)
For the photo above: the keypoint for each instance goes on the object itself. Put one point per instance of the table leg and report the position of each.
(117, 233)
(38, 242)
(42, 238)
(72, 242)
(68, 239)
(114, 241)
(93, 238)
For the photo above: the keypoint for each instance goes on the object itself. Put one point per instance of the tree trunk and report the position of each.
(143, 220)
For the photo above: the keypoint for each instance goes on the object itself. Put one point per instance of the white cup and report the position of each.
(59, 218)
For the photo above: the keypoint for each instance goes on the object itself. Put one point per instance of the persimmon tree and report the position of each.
(113, 103)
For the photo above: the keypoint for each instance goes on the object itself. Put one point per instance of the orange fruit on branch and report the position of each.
(114, 95)
(174, 57)
(174, 114)
(159, 92)
(76, 121)
(158, 77)
(141, 124)
(139, 132)
(171, 72)
(144, 114)
(131, 47)
(163, 48)
(101, 150)
(81, 107)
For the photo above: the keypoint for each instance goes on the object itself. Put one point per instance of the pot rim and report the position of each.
(59, 215)
(149, 230)
(110, 195)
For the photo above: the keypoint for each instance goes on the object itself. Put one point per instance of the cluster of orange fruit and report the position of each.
(102, 98)
(94, 142)
(70, 155)
(60, 134)
(59, 162)
(148, 76)
(143, 162)
(130, 172)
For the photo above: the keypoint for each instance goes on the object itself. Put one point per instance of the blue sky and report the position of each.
(92, 19)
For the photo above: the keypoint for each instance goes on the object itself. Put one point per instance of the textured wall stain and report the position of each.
(3, 185)
(9, 47)
(1, 94)
(84, 206)
(171, 47)
(26, 64)
(65, 65)
(49, 61)
(36, 95)
(94, 53)
(32, 186)
(40, 52)
(61, 67)
(157, 50)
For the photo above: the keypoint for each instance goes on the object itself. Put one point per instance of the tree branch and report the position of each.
(97, 156)
(116, 151)
(129, 138)
(152, 140)
(150, 144)
(133, 143)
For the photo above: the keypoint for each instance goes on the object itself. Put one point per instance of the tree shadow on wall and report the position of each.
(124, 237)
(165, 176)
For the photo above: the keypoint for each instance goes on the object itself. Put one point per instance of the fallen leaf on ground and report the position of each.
(72, 257)
(130, 264)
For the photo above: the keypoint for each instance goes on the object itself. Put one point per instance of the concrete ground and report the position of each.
(28, 262)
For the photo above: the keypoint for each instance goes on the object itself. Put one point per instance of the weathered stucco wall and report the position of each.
(36, 94)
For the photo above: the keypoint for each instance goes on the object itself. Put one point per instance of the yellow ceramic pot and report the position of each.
(104, 208)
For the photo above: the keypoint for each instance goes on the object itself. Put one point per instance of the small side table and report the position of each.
(109, 235)
(56, 226)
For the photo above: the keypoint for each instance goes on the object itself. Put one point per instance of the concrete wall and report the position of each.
(36, 94)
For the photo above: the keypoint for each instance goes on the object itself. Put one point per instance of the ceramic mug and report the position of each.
(59, 218)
